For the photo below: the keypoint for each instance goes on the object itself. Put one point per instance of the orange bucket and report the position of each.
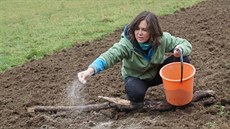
(178, 89)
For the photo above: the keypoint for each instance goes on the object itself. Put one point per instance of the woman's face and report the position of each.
(141, 33)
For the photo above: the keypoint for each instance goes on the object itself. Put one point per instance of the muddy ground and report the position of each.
(52, 80)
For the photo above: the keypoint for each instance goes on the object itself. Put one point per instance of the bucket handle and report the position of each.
(181, 64)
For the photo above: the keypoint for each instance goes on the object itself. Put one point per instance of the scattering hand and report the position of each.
(84, 75)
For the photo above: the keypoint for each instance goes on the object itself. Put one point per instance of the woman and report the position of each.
(142, 50)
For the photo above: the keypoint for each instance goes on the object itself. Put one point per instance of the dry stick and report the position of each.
(120, 103)
(91, 107)
(198, 95)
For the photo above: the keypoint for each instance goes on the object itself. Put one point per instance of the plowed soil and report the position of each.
(52, 80)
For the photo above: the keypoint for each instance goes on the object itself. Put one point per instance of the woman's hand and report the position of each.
(176, 51)
(84, 75)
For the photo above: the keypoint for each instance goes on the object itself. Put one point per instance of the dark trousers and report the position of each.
(136, 88)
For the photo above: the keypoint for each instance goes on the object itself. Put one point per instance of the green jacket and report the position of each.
(134, 64)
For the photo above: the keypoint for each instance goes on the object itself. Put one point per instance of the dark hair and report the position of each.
(152, 26)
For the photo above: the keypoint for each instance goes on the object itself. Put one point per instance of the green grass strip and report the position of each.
(29, 29)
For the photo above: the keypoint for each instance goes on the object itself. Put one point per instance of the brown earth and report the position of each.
(52, 80)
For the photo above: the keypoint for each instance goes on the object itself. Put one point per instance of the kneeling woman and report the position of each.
(142, 50)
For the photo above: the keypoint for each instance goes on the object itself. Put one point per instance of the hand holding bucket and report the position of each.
(178, 86)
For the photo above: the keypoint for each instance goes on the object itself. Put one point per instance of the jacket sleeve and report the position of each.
(98, 65)
(171, 42)
(115, 54)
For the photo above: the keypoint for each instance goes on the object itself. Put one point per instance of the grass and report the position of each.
(29, 29)
(211, 125)
(221, 110)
